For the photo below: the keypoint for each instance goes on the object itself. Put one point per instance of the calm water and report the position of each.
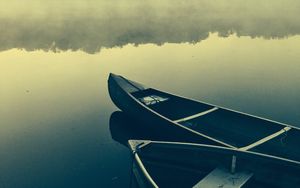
(58, 126)
(55, 108)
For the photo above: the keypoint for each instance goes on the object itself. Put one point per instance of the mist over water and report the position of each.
(92, 25)
(58, 126)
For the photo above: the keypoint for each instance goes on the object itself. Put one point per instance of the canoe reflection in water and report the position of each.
(123, 128)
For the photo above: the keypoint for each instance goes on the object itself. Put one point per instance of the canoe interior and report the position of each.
(185, 166)
(286, 146)
(236, 129)
(175, 107)
(233, 128)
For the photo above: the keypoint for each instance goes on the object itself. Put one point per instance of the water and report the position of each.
(58, 126)
(55, 108)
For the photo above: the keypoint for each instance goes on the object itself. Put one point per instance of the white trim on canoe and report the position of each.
(196, 115)
(224, 148)
(219, 147)
(145, 172)
(259, 142)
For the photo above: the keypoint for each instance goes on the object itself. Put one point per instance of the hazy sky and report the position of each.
(90, 25)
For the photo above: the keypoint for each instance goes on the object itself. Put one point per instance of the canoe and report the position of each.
(195, 121)
(177, 164)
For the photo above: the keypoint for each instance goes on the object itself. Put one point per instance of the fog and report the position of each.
(91, 25)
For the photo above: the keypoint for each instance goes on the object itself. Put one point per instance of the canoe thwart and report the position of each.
(196, 115)
(266, 139)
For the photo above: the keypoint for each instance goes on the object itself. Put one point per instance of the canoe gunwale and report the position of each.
(235, 111)
(144, 170)
(234, 150)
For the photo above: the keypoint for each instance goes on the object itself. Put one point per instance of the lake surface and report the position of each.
(55, 107)
(58, 126)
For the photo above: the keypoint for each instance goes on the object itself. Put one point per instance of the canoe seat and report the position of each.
(222, 178)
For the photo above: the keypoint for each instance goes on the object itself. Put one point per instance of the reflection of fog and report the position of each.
(90, 26)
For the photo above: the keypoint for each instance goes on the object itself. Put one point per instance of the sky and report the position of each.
(93, 25)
